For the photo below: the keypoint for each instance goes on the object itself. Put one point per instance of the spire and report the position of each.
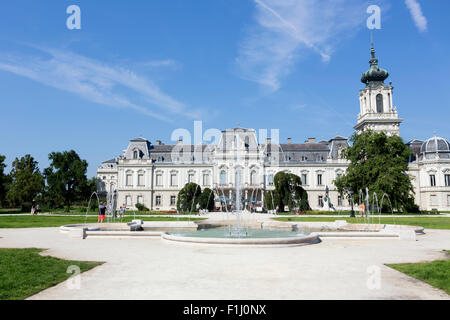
(375, 74)
(371, 45)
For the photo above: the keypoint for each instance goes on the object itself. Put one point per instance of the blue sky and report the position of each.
(145, 68)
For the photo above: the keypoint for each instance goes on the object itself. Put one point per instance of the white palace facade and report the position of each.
(154, 173)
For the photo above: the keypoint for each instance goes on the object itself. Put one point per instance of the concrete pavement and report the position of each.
(155, 269)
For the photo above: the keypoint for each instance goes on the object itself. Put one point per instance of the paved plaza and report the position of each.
(155, 269)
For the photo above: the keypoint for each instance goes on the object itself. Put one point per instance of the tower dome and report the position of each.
(375, 74)
(435, 144)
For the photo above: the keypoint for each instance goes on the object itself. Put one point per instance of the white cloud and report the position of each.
(287, 29)
(416, 13)
(96, 82)
(169, 63)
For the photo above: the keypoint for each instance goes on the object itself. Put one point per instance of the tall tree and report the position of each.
(26, 182)
(288, 192)
(188, 197)
(66, 178)
(206, 199)
(3, 180)
(380, 163)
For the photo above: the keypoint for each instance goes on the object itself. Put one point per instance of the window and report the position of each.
(140, 200)
(129, 179)
(270, 179)
(206, 179)
(339, 201)
(128, 200)
(173, 179)
(432, 180)
(135, 154)
(338, 175)
(320, 202)
(159, 180)
(380, 103)
(253, 178)
(223, 177)
(304, 179)
(158, 200)
(191, 177)
(319, 179)
(448, 200)
(173, 200)
(447, 180)
(141, 179)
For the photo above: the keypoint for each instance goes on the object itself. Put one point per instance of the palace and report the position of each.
(153, 174)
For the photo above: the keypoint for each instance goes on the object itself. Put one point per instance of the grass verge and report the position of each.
(23, 272)
(50, 221)
(426, 222)
(435, 273)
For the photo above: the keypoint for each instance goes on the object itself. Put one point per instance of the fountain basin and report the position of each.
(264, 233)
(217, 236)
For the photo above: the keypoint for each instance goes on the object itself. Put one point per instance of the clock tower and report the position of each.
(377, 111)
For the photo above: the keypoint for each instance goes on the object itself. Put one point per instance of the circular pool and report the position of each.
(245, 236)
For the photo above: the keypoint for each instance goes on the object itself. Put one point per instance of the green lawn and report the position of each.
(435, 273)
(49, 221)
(23, 272)
(426, 222)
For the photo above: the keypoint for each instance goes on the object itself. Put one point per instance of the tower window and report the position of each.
(380, 103)
(447, 180)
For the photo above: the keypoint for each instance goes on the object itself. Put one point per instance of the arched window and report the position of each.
(253, 178)
(270, 179)
(380, 103)
(223, 177)
(135, 154)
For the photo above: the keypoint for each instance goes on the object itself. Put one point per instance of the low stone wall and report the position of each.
(338, 229)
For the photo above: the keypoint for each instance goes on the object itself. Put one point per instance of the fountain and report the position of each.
(89, 205)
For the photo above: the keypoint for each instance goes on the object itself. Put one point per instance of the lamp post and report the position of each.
(350, 192)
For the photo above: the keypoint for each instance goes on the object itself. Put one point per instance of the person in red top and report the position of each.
(102, 212)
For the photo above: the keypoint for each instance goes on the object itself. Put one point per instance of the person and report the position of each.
(33, 209)
(122, 211)
(277, 209)
(363, 210)
(102, 212)
(197, 207)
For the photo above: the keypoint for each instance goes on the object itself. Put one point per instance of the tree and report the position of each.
(26, 182)
(288, 192)
(3, 180)
(188, 197)
(380, 163)
(66, 178)
(206, 199)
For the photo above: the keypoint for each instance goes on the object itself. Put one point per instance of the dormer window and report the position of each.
(135, 154)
